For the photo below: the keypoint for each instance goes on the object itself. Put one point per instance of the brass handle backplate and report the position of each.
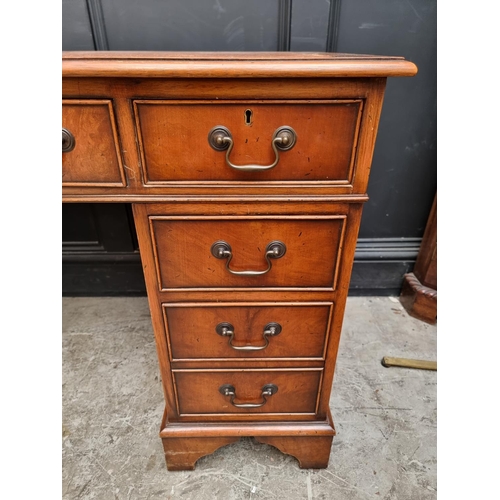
(68, 141)
(220, 139)
(229, 390)
(227, 330)
(222, 250)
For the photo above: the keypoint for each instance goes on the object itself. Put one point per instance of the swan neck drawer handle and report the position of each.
(220, 139)
(227, 330)
(222, 250)
(229, 390)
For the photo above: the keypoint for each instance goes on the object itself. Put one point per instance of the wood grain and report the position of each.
(182, 453)
(96, 160)
(125, 91)
(198, 391)
(218, 65)
(174, 146)
(419, 290)
(426, 264)
(308, 441)
(191, 329)
(420, 301)
(184, 259)
(312, 452)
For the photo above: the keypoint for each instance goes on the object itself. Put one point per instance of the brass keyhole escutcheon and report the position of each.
(248, 117)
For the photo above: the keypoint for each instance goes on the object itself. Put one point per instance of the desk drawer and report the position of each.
(202, 392)
(175, 147)
(269, 251)
(242, 331)
(92, 156)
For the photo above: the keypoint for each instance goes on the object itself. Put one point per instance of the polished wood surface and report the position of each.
(233, 65)
(182, 453)
(248, 92)
(309, 442)
(160, 108)
(96, 158)
(312, 452)
(174, 143)
(184, 258)
(426, 264)
(198, 391)
(191, 330)
(419, 290)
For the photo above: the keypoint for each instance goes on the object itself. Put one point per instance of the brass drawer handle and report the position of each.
(229, 390)
(68, 141)
(220, 138)
(227, 330)
(222, 250)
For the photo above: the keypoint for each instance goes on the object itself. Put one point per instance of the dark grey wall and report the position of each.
(403, 179)
(191, 24)
(76, 29)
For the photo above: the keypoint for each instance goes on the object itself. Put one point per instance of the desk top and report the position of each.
(232, 65)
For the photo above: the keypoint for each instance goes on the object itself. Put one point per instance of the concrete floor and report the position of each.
(385, 418)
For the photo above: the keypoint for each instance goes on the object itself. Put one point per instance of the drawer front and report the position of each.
(185, 253)
(260, 330)
(199, 392)
(174, 140)
(94, 158)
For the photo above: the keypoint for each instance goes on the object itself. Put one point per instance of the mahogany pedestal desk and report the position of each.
(247, 173)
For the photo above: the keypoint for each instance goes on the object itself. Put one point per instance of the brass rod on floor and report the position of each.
(409, 363)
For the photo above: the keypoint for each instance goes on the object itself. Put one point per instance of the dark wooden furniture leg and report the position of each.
(419, 290)
(309, 442)
(311, 452)
(182, 453)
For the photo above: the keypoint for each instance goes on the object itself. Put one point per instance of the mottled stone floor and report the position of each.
(385, 418)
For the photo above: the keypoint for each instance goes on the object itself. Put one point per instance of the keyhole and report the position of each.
(248, 117)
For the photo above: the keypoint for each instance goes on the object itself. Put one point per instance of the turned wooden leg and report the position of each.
(182, 453)
(311, 452)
